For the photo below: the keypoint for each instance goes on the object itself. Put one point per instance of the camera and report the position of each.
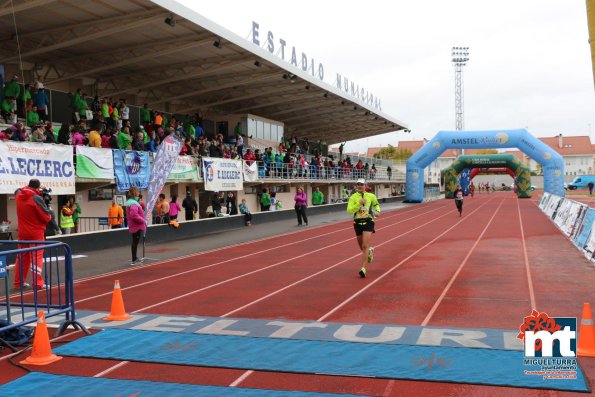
(47, 198)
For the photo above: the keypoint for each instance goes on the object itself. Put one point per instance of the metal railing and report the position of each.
(54, 295)
(93, 224)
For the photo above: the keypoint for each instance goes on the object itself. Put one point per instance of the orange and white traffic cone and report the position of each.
(42, 350)
(118, 313)
(586, 334)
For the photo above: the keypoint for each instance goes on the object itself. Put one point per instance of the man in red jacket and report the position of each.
(33, 215)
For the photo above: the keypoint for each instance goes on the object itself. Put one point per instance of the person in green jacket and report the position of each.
(145, 115)
(124, 139)
(32, 117)
(12, 90)
(26, 99)
(317, 196)
(76, 215)
(265, 200)
(365, 208)
(8, 113)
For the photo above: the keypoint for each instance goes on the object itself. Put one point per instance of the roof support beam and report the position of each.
(132, 61)
(247, 79)
(92, 36)
(24, 6)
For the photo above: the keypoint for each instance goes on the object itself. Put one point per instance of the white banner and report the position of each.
(250, 171)
(95, 163)
(22, 161)
(222, 174)
(185, 168)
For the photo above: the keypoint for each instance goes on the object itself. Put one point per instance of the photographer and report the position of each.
(33, 215)
(52, 228)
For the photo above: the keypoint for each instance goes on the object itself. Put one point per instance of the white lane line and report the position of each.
(526, 258)
(459, 269)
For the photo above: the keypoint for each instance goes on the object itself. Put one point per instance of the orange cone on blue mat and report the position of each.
(42, 350)
(586, 334)
(118, 313)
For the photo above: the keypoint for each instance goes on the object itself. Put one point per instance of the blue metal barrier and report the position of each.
(55, 296)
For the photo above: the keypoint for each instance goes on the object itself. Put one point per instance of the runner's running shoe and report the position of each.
(362, 272)
(370, 254)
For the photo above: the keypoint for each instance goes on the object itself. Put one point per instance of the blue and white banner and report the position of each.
(3, 272)
(584, 233)
(165, 159)
(222, 174)
(131, 168)
(22, 161)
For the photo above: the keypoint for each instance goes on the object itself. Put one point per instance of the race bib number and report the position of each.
(459, 196)
(363, 213)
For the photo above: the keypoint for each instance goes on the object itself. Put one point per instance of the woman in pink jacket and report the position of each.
(135, 216)
(300, 206)
(174, 208)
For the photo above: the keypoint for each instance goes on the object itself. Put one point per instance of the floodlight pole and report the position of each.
(459, 58)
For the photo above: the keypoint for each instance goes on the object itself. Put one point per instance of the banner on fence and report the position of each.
(222, 174)
(165, 159)
(185, 168)
(131, 168)
(22, 161)
(250, 171)
(96, 163)
(585, 228)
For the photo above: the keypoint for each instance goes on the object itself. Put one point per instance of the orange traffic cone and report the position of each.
(118, 312)
(586, 334)
(42, 350)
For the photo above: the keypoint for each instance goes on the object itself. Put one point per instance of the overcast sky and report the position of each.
(530, 62)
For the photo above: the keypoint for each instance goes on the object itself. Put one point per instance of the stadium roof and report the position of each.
(162, 53)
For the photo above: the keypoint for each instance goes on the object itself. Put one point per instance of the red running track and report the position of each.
(487, 269)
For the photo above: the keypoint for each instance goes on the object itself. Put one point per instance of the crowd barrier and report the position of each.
(55, 296)
(576, 220)
(431, 193)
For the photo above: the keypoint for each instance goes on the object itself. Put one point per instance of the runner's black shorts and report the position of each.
(363, 226)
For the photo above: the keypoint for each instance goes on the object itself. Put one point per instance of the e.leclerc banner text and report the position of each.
(22, 161)
(222, 174)
(165, 159)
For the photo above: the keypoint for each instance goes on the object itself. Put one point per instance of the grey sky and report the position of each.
(530, 63)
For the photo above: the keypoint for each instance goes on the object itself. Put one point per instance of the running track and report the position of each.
(487, 269)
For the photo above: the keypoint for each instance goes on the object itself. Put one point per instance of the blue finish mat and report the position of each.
(429, 363)
(48, 385)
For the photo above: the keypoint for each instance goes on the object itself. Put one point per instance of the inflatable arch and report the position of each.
(521, 171)
(551, 162)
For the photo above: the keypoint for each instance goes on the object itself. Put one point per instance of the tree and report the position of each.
(486, 151)
(390, 152)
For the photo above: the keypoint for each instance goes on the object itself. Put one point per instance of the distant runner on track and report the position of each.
(459, 199)
(365, 208)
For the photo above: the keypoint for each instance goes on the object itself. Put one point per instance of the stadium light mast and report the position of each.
(459, 58)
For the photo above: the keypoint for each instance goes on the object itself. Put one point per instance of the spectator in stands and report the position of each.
(135, 217)
(190, 206)
(372, 171)
(389, 172)
(199, 132)
(230, 204)
(317, 196)
(38, 133)
(265, 200)
(115, 115)
(83, 108)
(26, 100)
(301, 201)
(115, 215)
(174, 208)
(124, 139)
(341, 146)
(145, 115)
(138, 141)
(8, 111)
(95, 136)
(249, 157)
(105, 112)
(41, 102)
(124, 112)
(12, 89)
(77, 138)
(64, 134)
(247, 215)
(48, 131)
(33, 215)
(32, 117)
(240, 144)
